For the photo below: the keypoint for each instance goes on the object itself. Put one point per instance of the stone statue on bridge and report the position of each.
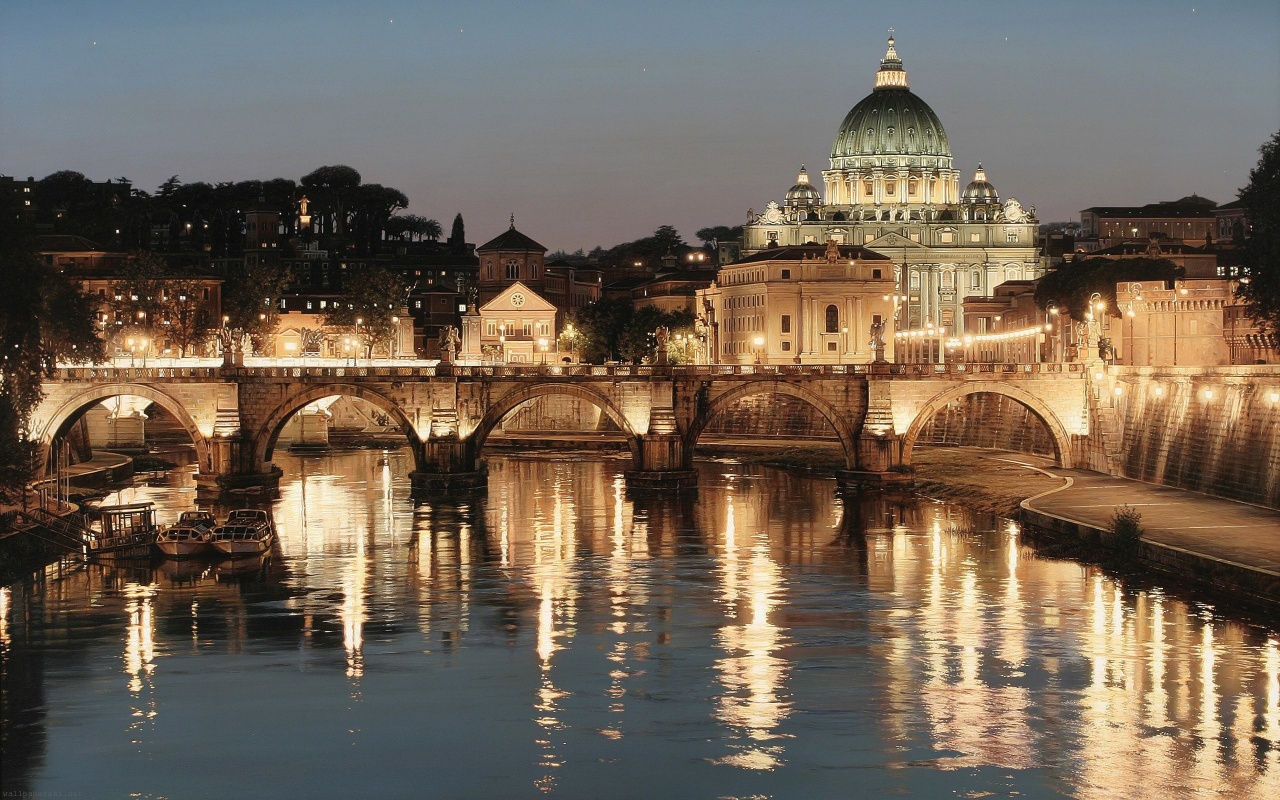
(661, 334)
(449, 342)
(877, 342)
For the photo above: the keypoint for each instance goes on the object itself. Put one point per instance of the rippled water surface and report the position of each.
(559, 638)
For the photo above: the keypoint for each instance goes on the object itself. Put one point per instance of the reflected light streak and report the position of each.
(139, 648)
(5, 600)
(752, 676)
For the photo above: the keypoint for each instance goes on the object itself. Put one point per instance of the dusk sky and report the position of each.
(595, 123)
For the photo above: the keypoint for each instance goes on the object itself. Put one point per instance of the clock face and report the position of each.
(517, 299)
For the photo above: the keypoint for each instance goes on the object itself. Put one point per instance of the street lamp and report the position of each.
(759, 343)
(542, 344)
(393, 349)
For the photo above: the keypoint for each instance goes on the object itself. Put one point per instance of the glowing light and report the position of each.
(1208, 394)
(1119, 391)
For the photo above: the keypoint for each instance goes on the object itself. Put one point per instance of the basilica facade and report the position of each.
(892, 189)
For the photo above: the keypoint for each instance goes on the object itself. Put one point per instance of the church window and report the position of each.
(527, 328)
(1011, 274)
(513, 270)
(975, 280)
(867, 188)
(786, 323)
(831, 346)
(833, 319)
(786, 346)
(877, 274)
(913, 187)
(973, 237)
(948, 280)
(915, 282)
(948, 237)
(786, 274)
(868, 237)
(890, 187)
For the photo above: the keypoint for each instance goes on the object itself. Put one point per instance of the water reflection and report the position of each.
(763, 638)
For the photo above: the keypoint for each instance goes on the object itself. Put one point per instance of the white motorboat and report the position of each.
(246, 532)
(189, 536)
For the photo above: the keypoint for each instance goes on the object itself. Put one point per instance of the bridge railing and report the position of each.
(328, 372)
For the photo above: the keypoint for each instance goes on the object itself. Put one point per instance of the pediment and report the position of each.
(517, 299)
(894, 241)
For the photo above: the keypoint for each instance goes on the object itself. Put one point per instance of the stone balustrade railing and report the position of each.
(196, 374)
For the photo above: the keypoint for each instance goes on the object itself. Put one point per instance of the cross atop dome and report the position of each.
(891, 74)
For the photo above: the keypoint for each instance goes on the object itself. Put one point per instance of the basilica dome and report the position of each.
(803, 193)
(891, 120)
(979, 189)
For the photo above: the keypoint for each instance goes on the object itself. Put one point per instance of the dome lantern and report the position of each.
(891, 74)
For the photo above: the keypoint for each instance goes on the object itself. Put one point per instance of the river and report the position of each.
(557, 637)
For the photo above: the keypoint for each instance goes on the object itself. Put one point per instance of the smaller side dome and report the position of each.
(803, 194)
(979, 189)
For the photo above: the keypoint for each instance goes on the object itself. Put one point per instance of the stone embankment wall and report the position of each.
(1214, 430)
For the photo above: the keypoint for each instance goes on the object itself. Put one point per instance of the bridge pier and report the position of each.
(665, 463)
(879, 463)
(231, 471)
(447, 463)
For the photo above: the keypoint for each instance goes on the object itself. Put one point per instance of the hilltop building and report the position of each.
(893, 189)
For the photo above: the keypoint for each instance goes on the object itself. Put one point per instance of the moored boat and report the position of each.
(246, 532)
(189, 536)
(122, 531)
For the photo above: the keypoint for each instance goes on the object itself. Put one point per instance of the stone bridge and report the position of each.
(447, 412)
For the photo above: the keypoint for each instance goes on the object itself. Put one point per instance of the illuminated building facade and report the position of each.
(806, 304)
(892, 189)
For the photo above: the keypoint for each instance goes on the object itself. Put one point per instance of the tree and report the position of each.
(368, 307)
(187, 320)
(1070, 286)
(330, 188)
(714, 235)
(1261, 200)
(44, 320)
(636, 342)
(252, 304)
(599, 326)
(138, 300)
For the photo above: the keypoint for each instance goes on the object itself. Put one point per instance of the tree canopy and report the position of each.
(1261, 200)
(368, 306)
(44, 319)
(1070, 286)
(612, 330)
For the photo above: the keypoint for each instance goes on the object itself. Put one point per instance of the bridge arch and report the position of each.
(1057, 431)
(61, 419)
(510, 401)
(844, 431)
(264, 439)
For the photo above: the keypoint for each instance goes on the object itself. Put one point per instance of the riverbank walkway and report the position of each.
(1196, 529)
